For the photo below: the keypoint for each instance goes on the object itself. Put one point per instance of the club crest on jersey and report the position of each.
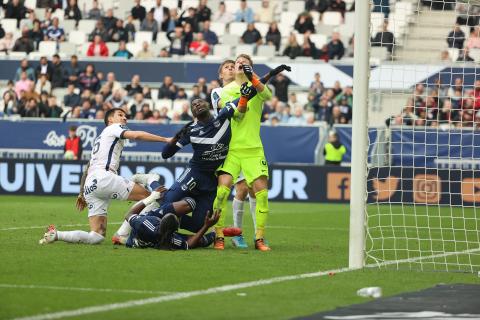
(216, 124)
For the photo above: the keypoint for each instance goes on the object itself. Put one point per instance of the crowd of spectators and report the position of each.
(440, 105)
(188, 31)
(88, 94)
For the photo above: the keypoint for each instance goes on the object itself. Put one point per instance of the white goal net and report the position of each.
(423, 192)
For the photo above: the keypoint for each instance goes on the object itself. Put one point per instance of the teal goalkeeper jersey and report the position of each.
(246, 130)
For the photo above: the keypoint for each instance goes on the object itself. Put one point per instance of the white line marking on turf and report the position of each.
(224, 288)
(60, 226)
(22, 286)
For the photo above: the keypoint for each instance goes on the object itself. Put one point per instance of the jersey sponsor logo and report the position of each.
(216, 124)
(89, 189)
(123, 126)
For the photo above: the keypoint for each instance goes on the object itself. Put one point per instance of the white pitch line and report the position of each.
(45, 226)
(22, 286)
(224, 288)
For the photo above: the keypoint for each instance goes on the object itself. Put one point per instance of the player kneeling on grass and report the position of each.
(100, 182)
(158, 229)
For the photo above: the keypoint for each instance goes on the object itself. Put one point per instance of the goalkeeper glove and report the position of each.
(279, 69)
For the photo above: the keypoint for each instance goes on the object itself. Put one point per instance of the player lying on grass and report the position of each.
(158, 228)
(226, 74)
(101, 183)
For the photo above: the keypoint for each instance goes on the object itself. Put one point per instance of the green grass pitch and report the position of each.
(305, 238)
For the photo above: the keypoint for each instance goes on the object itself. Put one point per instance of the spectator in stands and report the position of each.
(73, 145)
(134, 86)
(316, 86)
(97, 48)
(304, 23)
(109, 20)
(7, 43)
(209, 35)
(178, 43)
(54, 32)
(456, 37)
(43, 67)
(185, 115)
(73, 70)
(308, 47)
(32, 17)
(25, 67)
(160, 14)
(334, 150)
(445, 56)
(464, 55)
(138, 12)
(473, 41)
(87, 111)
(312, 104)
(168, 90)
(53, 111)
(280, 83)
(199, 46)
(31, 109)
(95, 13)
(347, 93)
(384, 38)
(47, 4)
(188, 33)
(222, 15)
(382, 6)
(122, 51)
(251, 35)
(197, 93)
(317, 5)
(297, 117)
(273, 36)
(24, 43)
(47, 20)
(15, 9)
(23, 84)
(150, 24)
(100, 31)
(8, 104)
(335, 47)
(339, 6)
(147, 92)
(203, 12)
(336, 117)
(98, 101)
(112, 81)
(36, 34)
(181, 94)
(145, 111)
(137, 104)
(72, 11)
(118, 32)
(292, 50)
(88, 79)
(145, 53)
(71, 99)
(244, 13)
(267, 12)
(173, 20)
(130, 28)
(117, 99)
(58, 72)
(281, 114)
(189, 17)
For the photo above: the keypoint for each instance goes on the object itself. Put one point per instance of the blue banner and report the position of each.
(429, 147)
(282, 144)
(344, 133)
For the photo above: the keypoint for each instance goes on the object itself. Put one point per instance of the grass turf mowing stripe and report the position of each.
(224, 288)
(32, 286)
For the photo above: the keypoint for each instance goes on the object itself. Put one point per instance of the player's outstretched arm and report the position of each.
(144, 136)
(172, 146)
(81, 203)
(210, 220)
(140, 205)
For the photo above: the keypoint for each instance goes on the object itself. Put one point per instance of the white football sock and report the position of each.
(253, 207)
(237, 207)
(79, 236)
(124, 229)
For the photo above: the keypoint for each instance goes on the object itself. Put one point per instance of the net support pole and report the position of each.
(358, 190)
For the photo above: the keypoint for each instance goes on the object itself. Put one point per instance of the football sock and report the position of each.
(253, 206)
(237, 206)
(221, 203)
(261, 212)
(124, 229)
(79, 236)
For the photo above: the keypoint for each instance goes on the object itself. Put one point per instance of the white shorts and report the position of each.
(103, 186)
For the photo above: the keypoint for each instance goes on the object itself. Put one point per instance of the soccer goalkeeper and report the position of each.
(246, 153)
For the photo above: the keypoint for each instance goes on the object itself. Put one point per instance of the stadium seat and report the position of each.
(245, 49)
(160, 103)
(188, 4)
(9, 25)
(319, 39)
(68, 25)
(222, 50)
(453, 53)
(148, 4)
(237, 28)
(376, 22)
(87, 25)
(112, 47)
(154, 94)
(296, 7)
(256, 5)
(84, 5)
(17, 54)
(68, 48)
(288, 18)
(30, 4)
(162, 40)
(178, 105)
(315, 17)
(475, 54)
(59, 93)
(262, 27)
(266, 51)
(167, 3)
(380, 53)
(404, 7)
(35, 55)
(219, 28)
(58, 13)
(332, 18)
(142, 36)
(24, 22)
(134, 48)
(48, 48)
(77, 37)
(233, 5)
(40, 13)
(82, 49)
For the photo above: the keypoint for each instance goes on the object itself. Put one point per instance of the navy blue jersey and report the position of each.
(144, 233)
(209, 141)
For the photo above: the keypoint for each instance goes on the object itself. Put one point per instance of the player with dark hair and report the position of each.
(101, 183)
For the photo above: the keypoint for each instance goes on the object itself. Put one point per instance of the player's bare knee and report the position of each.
(241, 190)
(260, 184)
